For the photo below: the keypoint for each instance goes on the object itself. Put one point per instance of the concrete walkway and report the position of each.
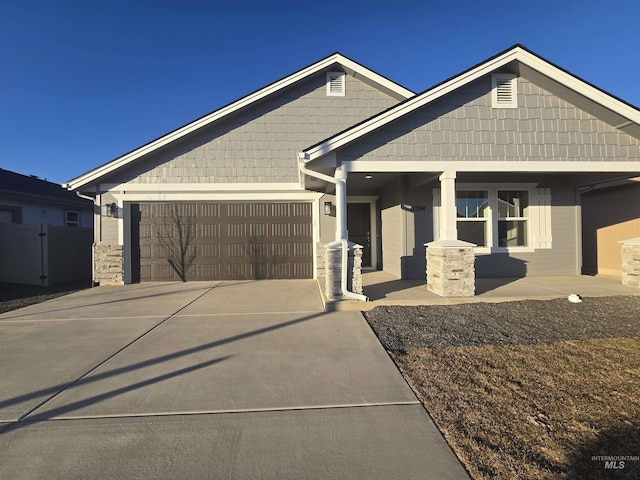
(206, 380)
(382, 288)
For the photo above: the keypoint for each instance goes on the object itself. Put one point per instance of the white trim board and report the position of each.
(302, 196)
(200, 187)
(407, 166)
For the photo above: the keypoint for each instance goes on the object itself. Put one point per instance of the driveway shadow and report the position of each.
(105, 303)
(86, 378)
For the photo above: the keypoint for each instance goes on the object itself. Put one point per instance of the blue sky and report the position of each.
(85, 81)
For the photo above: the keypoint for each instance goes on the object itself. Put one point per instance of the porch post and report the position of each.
(450, 262)
(341, 203)
(448, 214)
(333, 272)
(338, 281)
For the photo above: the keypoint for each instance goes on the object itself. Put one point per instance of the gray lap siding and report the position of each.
(463, 127)
(406, 230)
(259, 144)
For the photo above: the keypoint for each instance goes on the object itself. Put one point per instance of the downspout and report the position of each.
(341, 221)
(93, 245)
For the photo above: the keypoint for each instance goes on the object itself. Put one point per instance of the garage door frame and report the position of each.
(245, 216)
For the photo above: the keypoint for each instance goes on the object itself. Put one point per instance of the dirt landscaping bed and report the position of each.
(14, 296)
(526, 390)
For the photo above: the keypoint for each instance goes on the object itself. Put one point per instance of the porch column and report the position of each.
(341, 203)
(334, 276)
(631, 262)
(448, 213)
(450, 262)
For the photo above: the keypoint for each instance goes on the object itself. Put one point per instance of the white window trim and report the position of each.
(513, 85)
(332, 77)
(539, 228)
(492, 221)
(66, 218)
(487, 220)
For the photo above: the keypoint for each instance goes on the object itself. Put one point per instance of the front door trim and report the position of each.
(371, 200)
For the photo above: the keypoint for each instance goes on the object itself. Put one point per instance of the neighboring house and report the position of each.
(610, 214)
(484, 167)
(45, 232)
(28, 200)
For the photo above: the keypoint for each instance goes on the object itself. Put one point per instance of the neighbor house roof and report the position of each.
(347, 64)
(615, 111)
(30, 186)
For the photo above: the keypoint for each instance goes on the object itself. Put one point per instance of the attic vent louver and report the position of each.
(335, 84)
(504, 93)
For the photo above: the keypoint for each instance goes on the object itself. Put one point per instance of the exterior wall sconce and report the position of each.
(328, 208)
(110, 210)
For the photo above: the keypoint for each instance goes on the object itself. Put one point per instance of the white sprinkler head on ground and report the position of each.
(574, 298)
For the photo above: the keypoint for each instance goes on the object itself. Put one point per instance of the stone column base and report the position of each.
(451, 268)
(108, 265)
(333, 269)
(631, 262)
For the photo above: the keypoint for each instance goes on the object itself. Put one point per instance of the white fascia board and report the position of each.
(200, 187)
(224, 111)
(517, 54)
(365, 166)
(217, 197)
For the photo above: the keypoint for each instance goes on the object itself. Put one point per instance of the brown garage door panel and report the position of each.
(219, 241)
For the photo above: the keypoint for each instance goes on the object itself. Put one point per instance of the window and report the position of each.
(72, 218)
(504, 90)
(473, 214)
(10, 214)
(513, 217)
(500, 217)
(336, 84)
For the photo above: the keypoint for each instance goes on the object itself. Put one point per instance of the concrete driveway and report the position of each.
(206, 380)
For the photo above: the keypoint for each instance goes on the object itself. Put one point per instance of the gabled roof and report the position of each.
(623, 115)
(347, 64)
(30, 186)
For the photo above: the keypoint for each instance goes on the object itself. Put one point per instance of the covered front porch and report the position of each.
(383, 288)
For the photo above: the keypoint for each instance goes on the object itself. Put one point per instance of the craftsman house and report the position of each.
(476, 176)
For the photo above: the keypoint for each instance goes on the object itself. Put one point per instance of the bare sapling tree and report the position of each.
(178, 242)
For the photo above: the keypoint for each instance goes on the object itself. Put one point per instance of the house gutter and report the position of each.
(340, 181)
(93, 245)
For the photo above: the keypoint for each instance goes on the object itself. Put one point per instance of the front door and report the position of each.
(359, 226)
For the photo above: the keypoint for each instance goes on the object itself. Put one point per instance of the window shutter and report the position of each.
(336, 84)
(541, 220)
(504, 92)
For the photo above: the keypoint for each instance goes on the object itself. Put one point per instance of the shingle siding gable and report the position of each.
(259, 144)
(462, 126)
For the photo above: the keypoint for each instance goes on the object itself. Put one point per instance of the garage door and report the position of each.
(221, 241)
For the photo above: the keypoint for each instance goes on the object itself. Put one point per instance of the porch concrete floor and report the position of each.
(382, 288)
